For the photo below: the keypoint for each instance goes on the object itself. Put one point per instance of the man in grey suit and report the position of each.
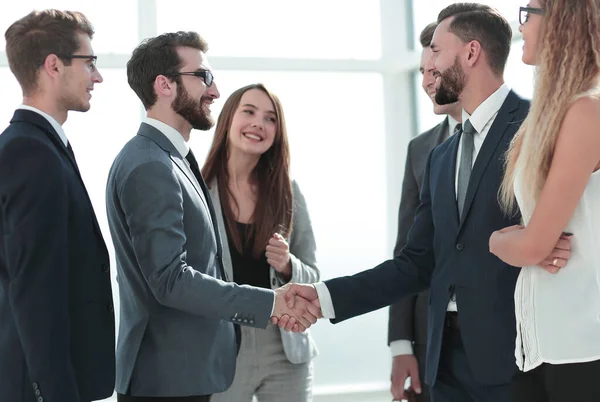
(407, 329)
(176, 337)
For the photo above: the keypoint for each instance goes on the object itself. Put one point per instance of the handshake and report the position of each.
(297, 307)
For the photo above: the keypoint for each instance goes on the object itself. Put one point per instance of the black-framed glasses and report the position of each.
(206, 75)
(524, 13)
(91, 57)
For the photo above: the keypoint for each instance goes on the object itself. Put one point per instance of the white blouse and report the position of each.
(558, 315)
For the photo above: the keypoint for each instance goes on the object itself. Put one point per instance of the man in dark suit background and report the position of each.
(407, 330)
(57, 335)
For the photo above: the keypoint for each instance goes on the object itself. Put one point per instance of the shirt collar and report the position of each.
(488, 109)
(173, 135)
(452, 122)
(57, 127)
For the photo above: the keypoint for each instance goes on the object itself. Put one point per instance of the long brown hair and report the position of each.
(569, 61)
(273, 211)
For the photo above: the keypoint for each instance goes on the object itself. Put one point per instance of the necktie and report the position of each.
(466, 164)
(196, 170)
(457, 128)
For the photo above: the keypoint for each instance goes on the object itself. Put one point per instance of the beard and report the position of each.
(452, 83)
(191, 110)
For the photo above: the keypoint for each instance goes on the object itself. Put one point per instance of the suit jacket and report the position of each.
(408, 317)
(298, 347)
(176, 336)
(57, 330)
(452, 255)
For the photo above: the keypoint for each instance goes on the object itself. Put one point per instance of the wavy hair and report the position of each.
(568, 63)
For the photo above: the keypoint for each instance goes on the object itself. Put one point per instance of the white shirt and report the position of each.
(558, 315)
(173, 135)
(57, 127)
(452, 123)
(482, 119)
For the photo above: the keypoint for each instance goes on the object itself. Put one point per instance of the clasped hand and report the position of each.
(297, 307)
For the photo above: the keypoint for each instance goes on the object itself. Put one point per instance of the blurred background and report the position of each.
(347, 74)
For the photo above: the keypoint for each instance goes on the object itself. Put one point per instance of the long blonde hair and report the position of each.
(569, 61)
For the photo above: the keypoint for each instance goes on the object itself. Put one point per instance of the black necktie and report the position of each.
(196, 170)
(457, 128)
(466, 164)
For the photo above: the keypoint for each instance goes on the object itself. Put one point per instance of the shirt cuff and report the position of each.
(273, 308)
(325, 300)
(401, 347)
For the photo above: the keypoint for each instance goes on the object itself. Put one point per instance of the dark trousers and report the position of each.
(126, 398)
(577, 382)
(455, 381)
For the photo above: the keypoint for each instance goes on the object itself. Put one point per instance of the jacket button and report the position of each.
(460, 247)
(274, 282)
(37, 392)
(40, 399)
(110, 308)
(35, 385)
(105, 268)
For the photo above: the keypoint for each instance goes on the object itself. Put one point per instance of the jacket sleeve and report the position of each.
(302, 243)
(407, 273)
(151, 198)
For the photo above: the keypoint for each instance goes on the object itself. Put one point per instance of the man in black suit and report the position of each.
(471, 339)
(57, 326)
(407, 330)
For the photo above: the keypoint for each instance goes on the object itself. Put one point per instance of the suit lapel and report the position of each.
(163, 142)
(220, 222)
(442, 130)
(503, 120)
(450, 178)
(41, 122)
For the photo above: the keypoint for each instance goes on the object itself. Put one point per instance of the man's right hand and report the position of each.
(403, 367)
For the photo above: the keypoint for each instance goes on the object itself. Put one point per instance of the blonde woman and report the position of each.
(552, 177)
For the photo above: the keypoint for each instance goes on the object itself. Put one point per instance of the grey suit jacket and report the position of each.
(175, 337)
(408, 317)
(299, 347)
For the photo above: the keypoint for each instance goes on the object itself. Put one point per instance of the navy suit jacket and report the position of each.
(57, 331)
(449, 254)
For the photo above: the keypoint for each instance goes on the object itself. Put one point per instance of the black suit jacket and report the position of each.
(452, 255)
(57, 337)
(408, 317)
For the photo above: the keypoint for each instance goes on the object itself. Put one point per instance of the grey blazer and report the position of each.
(176, 336)
(408, 317)
(299, 347)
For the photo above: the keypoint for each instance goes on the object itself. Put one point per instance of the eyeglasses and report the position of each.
(206, 75)
(524, 13)
(90, 57)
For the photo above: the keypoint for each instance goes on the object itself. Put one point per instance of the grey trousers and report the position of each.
(263, 371)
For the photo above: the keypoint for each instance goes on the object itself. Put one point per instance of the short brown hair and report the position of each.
(427, 34)
(483, 24)
(39, 34)
(158, 56)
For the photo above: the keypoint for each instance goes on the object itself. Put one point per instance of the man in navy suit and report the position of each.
(57, 331)
(470, 343)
